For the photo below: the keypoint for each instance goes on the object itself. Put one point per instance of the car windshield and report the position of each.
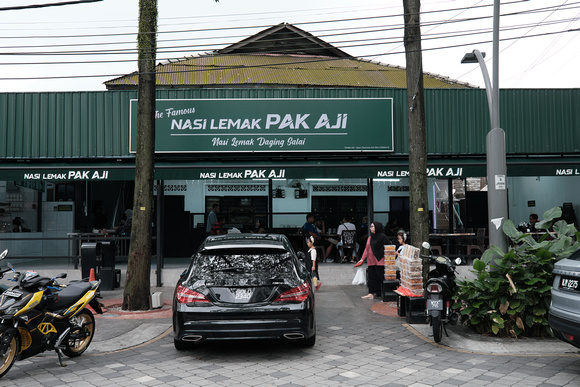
(253, 260)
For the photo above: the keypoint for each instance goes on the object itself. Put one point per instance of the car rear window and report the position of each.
(575, 255)
(246, 260)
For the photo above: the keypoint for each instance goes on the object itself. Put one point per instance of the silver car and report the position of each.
(564, 316)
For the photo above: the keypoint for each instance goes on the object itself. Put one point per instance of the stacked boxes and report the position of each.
(411, 266)
(390, 269)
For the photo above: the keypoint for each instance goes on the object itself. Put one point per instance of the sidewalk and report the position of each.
(118, 330)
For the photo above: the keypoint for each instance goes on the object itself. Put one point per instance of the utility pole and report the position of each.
(418, 199)
(497, 199)
(137, 285)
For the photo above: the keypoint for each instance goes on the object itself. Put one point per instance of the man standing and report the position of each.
(212, 217)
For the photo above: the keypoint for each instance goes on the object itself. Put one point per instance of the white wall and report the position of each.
(56, 224)
(546, 191)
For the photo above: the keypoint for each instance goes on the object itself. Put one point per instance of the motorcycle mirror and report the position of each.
(61, 275)
(426, 245)
(458, 261)
(4, 254)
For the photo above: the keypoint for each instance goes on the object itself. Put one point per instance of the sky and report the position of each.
(78, 47)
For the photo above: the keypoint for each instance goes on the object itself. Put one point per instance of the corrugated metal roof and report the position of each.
(84, 125)
(280, 70)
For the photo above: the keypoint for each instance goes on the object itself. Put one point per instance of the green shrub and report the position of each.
(510, 295)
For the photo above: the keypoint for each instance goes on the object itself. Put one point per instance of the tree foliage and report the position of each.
(510, 295)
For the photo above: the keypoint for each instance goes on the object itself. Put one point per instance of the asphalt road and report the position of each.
(359, 343)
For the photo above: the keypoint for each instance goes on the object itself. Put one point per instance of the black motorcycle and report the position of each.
(439, 290)
(40, 314)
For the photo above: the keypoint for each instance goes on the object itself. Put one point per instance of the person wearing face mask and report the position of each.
(374, 255)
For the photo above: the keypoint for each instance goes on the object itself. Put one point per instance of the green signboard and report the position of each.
(270, 125)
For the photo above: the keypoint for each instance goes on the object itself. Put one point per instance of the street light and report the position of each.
(495, 143)
(477, 57)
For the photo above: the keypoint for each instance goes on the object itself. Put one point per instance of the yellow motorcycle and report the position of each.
(39, 314)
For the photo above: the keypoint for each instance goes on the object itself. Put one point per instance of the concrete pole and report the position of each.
(496, 158)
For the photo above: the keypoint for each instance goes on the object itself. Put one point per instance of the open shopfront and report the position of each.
(327, 151)
(457, 199)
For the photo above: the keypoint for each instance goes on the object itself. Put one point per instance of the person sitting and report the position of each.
(124, 229)
(217, 228)
(310, 229)
(345, 225)
(260, 226)
(533, 220)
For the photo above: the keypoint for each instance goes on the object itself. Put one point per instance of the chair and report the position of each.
(479, 242)
(348, 238)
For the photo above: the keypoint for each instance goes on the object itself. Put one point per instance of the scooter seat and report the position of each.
(69, 295)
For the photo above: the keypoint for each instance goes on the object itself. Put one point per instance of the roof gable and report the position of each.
(279, 56)
(284, 39)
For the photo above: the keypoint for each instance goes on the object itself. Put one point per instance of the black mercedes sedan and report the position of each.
(244, 286)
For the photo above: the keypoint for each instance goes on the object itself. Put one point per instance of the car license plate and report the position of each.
(568, 283)
(434, 304)
(243, 294)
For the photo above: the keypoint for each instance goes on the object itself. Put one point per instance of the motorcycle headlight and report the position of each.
(12, 310)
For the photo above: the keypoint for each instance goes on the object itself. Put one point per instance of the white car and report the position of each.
(564, 316)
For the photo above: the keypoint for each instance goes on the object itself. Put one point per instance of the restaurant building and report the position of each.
(274, 127)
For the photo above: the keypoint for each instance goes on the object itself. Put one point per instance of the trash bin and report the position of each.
(90, 252)
(108, 249)
(107, 278)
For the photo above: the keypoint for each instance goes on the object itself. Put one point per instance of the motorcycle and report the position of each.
(439, 289)
(40, 314)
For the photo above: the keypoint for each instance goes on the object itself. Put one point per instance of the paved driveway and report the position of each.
(356, 346)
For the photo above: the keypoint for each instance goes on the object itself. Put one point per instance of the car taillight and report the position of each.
(297, 294)
(434, 288)
(185, 295)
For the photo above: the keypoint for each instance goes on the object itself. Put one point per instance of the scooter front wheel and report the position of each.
(437, 327)
(8, 358)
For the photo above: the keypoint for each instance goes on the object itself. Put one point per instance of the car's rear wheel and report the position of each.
(308, 342)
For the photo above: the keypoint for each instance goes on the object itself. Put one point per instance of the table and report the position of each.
(447, 238)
